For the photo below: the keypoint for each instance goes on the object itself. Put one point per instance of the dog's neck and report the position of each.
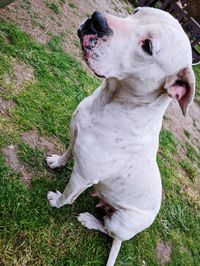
(135, 91)
(131, 93)
(129, 97)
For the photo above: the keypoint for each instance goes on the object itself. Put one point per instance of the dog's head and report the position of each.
(148, 47)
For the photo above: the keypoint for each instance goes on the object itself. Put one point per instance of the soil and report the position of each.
(41, 22)
(32, 138)
(163, 251)
(177, 123)
(21, 74)
(49, 145)
(5, 105)
(12, 159)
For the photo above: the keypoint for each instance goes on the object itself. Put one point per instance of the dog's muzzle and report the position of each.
(93, 33)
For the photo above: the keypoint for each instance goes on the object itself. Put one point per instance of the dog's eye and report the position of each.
(147, 46)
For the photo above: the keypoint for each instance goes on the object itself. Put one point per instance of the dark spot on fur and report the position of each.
(123, 148)
(118, 140)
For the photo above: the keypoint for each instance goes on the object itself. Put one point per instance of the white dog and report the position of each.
(146, 61)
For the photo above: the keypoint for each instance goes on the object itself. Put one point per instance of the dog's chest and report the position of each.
(111, 136)
(112, 128)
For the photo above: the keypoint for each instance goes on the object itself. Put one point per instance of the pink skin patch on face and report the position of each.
(93, 48)
(141, 41)
(144, 38)
(87, 39)
(88, 43)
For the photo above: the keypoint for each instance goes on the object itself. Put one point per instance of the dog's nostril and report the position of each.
(98, 22)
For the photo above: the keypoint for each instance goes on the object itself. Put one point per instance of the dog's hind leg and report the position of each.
(73, 189)
(91, 222)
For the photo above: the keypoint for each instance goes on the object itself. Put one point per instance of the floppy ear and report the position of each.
(181, 87)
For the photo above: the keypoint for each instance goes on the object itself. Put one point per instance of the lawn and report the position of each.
(31, 232)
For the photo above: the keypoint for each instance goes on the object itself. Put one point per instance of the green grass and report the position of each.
(197, 94)
(190, 169)
(72, 5)
(187, 133)
(31, 232)
(168, 143)
(54, 7)
(192, 153)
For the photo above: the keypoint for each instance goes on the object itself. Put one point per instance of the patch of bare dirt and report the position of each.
(13, 161)
(50, 144)
(20, 75)
(5, 105)
(192, 190)
(41, 22)
(177, 123)
(32, 138)
(163, 251)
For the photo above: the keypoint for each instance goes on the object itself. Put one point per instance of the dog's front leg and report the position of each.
(56, 161)
(73, 189)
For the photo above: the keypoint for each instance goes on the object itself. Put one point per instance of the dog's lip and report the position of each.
(100, 76)
(85, 40)
(96, 74)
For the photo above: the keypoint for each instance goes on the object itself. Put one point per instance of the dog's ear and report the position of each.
(181, 87)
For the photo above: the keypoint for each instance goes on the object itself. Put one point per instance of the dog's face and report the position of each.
(117, 47)
(149, 45)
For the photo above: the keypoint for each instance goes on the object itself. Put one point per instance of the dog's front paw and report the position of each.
(53, 198)
(53, 161)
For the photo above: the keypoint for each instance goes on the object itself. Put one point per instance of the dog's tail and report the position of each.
(114, 252)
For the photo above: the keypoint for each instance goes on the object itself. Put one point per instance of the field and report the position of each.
(41, 83)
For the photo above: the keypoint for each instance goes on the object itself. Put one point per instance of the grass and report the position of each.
(187, 133)
(54, 7)
(31, 232)
(197, 94)
(72, 5)
(190, 169)
(192, 153)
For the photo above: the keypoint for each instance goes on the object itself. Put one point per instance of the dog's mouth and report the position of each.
(92, 33)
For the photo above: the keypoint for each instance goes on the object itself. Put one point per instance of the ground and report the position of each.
(42, 80)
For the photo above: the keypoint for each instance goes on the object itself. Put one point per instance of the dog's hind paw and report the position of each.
(53, 198)
(91, 222)
(54, 161)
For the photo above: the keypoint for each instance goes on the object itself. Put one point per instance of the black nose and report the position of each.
(96, 24)
(99, 22)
